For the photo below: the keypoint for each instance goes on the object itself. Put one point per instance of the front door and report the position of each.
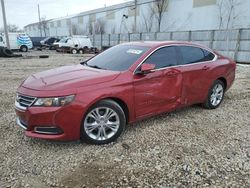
(158, 91)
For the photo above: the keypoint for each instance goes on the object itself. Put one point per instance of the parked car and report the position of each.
(18, 41)
(94, 100)
(74, 44)
(48, 42)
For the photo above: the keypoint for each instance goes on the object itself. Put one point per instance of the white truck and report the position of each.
(18, 41)
(75, 43)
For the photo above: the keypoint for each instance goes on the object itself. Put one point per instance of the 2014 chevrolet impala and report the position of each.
(94, 100)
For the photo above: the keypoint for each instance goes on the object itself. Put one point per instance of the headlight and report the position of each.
(54, 102)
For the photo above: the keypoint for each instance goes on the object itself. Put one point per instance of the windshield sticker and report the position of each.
(134, 51)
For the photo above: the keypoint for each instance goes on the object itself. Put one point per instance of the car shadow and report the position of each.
(140, 124)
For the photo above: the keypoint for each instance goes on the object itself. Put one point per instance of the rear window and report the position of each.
(192, 54)
(209, 56)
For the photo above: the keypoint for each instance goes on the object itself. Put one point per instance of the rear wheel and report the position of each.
(103, 123)
(81, 51)
(74, 51)
(23, 48)
(215, 95)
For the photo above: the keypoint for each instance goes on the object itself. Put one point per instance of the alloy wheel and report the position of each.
(101, 123)
(217, 94)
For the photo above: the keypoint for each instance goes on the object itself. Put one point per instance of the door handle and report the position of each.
(205, 68)
(171, 73)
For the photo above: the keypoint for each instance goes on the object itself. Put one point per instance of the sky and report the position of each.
(24, 12)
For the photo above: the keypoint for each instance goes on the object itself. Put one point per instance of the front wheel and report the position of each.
(215, 95)
(103, 123)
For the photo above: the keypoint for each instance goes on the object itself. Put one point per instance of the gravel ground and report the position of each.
(191, 147)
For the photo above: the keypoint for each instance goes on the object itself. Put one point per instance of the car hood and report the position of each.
(68, 77)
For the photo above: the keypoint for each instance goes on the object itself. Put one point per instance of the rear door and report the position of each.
(158, 91)
(196, 66)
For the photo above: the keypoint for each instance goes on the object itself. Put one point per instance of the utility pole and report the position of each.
(39, 16)
(135, 15)
(5, 25)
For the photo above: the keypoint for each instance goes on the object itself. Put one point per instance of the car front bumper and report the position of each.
(52, 123)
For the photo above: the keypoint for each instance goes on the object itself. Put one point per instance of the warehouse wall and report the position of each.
(181, 15)
(231, 43)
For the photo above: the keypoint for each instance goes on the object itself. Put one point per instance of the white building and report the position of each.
(141, 16)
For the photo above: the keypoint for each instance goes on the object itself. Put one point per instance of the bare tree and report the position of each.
(147, 20)
(90, 28)
(12, 28)
(44, 25)
(74, 29)
(113, 29)
(158, 8)
(228, 14)
(100, 26)
(132, 27)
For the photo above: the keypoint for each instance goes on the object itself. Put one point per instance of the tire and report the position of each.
(43, 56)
(81, 51)
(96, 117)
(1, 51)
(23, 48)
(74, 51)
(7, 52)
(215, 95)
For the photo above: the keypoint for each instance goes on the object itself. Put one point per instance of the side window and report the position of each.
(50, 40)
(191, 54)
(1, 39)
(163, 57)
(208, 55)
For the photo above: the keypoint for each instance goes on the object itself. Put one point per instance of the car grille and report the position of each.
(25, 101)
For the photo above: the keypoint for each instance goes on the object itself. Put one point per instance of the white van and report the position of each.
(18, 41)
(75, 43)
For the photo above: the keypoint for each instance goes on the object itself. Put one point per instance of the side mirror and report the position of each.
(147, 68)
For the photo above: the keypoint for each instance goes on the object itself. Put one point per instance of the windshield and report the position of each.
(118, 58)
(46, 39)
(63, 40)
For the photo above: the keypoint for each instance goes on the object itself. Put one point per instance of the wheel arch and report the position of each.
(224, 81)
(119, 101)
(122, 104)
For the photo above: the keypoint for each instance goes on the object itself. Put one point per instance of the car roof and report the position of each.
(156, 44)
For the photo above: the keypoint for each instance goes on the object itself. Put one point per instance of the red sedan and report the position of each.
(94, 100)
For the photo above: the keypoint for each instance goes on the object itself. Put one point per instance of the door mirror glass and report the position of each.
(147, 68)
